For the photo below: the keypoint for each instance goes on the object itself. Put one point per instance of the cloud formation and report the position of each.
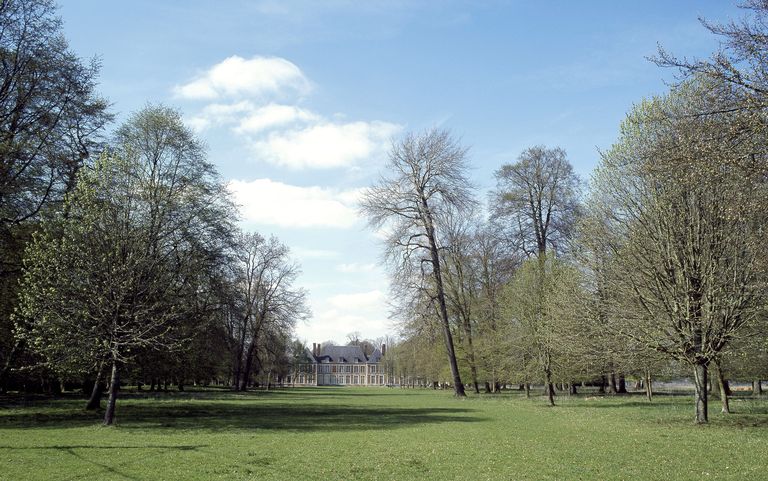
(326, 145)
(239, 77)
(264, 201)
(345, 313)
(271, 116)
(259, 101)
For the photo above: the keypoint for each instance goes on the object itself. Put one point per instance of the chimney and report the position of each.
(383, 350)
(314, 349)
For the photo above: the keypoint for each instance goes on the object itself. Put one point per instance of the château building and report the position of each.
(341, 366)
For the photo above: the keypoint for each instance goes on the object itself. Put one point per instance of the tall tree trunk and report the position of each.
(470, 352)
(245, 374)
(527, 389)
(238, 366)
(114, 387)
(458, 386)
(94, 402)
(572, 388)
(612, 383)
(757, 388)
(700, 377)
(722, 384)
(648, 386)
(549, 389)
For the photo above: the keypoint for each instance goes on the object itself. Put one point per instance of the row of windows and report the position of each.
(333, 379)
(335, 368)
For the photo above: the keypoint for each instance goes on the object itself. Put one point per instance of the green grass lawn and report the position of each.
(379, 433)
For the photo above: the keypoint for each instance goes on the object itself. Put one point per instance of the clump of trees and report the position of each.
(661, 264)
(120, 259)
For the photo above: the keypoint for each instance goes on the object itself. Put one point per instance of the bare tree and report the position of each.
(426, 181)
(738, 66)
(537, 200)
(462, 284)
(266, 301)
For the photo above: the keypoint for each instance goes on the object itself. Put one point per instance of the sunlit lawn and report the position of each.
(380, 433)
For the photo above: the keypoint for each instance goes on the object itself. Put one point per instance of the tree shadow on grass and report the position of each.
(610, 403)
(91, 456)
(241, 413)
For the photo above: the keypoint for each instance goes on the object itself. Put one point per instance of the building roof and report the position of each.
(375, 355)
(350, 354)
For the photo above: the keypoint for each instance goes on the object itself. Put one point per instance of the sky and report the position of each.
(299, 101)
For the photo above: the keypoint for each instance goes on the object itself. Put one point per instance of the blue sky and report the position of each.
(298, 100)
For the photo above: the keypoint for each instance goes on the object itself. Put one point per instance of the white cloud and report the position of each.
(247, 118)
(354, 268)
(326, 144)
(359, 301)
(264, 201)
(273, 115)
(341, 314)
(217, 114)
(259, 99)
(239, 77)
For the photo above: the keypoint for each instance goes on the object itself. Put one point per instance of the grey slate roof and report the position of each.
(349, 354)
(375, 355)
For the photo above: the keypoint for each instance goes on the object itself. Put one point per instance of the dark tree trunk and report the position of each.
(470, 353)
(612, 384)
(722, 384)
(601, 388)
(94, 402)
(638, 384)
(114, 387)
(458, 385)
(238, 367)
(757, 388)
(7, 366)
(488, 388)
(700, 378)
(572, 388)
(247, 369)
(527, 390)
(622, 385)
(549, 389)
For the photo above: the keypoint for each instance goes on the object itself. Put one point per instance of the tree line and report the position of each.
(120, 255)
(658, 262)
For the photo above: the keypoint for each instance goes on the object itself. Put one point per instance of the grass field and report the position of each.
(377, 433)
